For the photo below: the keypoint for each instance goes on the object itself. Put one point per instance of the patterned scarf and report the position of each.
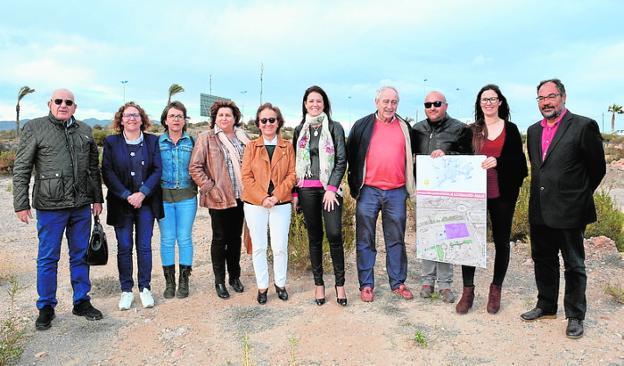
(326, 150)
(232, 152)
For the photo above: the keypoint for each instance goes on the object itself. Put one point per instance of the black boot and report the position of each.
(170, 285)
(183, 284)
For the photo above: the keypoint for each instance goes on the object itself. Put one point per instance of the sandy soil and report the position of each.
(206, 330)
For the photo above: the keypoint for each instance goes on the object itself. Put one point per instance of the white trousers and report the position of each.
(277, 220)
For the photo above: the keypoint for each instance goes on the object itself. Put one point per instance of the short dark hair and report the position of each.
(274, 108)
(214, 109)
(326, 104)
(177, 105)
(558, 84)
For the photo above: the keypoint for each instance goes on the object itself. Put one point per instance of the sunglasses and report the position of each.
(269, 120)
(68, 102)
(436, 104)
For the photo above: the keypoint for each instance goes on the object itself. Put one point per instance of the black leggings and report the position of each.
(311, 201)
(501, 216)
(227, 227)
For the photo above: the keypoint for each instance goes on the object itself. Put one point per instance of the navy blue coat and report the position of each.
(116, 167)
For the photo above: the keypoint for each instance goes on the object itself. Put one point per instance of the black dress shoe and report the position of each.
(575, 328)
(262, 297)
(237, 285)
(281, 293)
(44, 320)
(222, 291)
(537, 313)
(87, 310)
(340, 301)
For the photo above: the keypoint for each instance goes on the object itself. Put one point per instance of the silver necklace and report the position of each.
(316, 130)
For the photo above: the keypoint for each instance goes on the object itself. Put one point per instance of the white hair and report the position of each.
(384, 88)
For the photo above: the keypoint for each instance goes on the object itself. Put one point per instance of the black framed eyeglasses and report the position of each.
(271, 120)
(436, 104)
(68, 102)
(491, 100)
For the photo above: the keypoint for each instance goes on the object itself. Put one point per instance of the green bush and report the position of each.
(610, 221)
(100, 135)
(7, 161)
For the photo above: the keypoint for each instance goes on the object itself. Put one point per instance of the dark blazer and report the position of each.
(511, 165)
(562, 186)
(116, 176)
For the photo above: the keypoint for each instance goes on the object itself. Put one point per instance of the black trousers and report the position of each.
(501, 216)
(311, 201)
(546, 242)
(227, 228)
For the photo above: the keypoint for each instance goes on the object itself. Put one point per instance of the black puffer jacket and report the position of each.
(448, 135)
(65, 159)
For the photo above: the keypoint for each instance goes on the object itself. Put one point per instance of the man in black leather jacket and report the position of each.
(439, 135)
(64, 156)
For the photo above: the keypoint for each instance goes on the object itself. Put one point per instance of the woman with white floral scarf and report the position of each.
(321, 163)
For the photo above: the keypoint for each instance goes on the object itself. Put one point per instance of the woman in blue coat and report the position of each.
(131, 169)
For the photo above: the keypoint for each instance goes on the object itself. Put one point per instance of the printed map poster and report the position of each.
(451, 211)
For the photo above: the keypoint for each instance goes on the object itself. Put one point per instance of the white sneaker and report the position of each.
(146, 298)
(125, 303)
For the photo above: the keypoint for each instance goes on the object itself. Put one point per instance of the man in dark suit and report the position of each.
(567, 165)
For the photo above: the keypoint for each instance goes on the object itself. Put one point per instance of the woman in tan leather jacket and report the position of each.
(268, 178)
(215, 167)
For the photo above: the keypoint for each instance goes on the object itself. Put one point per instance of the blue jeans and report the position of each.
(76, 222)
(177, 226)
(392, 205)
(142, 221)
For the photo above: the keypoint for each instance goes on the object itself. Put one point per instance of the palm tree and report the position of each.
(24, 90)
(614, 109)
(174, 89)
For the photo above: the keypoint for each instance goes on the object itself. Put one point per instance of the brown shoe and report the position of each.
(426, 291)
(447, 295)
(465, 303)
(494, 299)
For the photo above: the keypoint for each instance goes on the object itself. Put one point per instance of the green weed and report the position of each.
(420, 338)
(11, 331)
(615, 291)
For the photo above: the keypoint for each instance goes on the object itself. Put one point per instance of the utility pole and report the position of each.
(261, 72)
(123, 84)
(210, 85)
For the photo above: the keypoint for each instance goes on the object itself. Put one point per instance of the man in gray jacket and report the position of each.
(440, 135)
(67, 189)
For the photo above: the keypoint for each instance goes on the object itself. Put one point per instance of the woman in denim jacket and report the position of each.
(179, 199)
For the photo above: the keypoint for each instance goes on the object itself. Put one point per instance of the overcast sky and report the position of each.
(350, 48)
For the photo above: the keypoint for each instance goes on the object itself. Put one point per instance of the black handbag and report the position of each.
(97, 253)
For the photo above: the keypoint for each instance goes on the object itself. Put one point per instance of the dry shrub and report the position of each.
(7, 161)
(520, 224)
(298, 252)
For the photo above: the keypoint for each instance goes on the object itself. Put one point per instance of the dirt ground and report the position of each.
(206, 330)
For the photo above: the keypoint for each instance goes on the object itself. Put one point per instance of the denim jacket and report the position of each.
(175, 162)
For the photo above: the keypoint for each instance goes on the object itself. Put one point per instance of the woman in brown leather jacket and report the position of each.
(268, 178)
(216, 169)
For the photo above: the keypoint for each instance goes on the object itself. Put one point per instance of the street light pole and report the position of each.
(243, 92)
(123, 83)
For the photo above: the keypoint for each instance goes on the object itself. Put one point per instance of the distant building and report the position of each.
(206, 101)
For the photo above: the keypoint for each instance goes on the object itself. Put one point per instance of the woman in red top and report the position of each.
(499, 139)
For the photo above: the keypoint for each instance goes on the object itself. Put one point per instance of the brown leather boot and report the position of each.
(465, 303)
(494, 299)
